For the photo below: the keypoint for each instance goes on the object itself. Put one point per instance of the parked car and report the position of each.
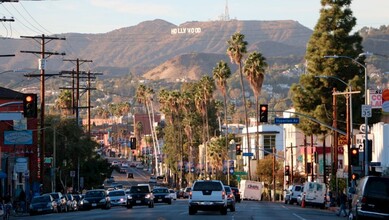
(172, 194)
(71, 202)
(77, 198)
(292, 193)
(236, 192)
(208, 195)
(161, 195)
(96, 198)
(43, 204)
(140, 195)
(61, 201)
(371, 199)
(153, 179)
(230, 198)
(117, 197)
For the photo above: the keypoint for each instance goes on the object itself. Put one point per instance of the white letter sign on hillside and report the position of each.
(184, 30)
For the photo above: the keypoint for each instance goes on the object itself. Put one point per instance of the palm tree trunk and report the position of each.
(227, 147)
(246, 119)
(257, 132)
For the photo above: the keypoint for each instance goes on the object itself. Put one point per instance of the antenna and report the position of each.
(226, 13)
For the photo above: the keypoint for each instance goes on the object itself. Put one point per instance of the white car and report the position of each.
(124, 164)
(118, 197)
(139, 166)
(172, 194)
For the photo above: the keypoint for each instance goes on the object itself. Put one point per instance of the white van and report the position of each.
(314, 194)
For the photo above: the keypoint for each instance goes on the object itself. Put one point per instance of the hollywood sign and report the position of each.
(185, 30)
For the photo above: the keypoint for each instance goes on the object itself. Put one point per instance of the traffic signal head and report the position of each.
(263, 112)
(238, 149)
(354, 176)
(133, 143)
(354, 156)
(30, 105)
(287, 172)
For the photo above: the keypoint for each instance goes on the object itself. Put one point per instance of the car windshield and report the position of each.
(94, 194)
(214, 186)
(378, 187)
(297, 188)
(139, 189)
(161, 191)
(116, 193)
(41, 199)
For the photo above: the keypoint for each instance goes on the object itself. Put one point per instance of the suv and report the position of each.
(208, 195)
(292, 193)
(371, 199)
(140, 195)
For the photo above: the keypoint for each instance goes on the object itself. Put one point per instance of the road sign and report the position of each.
(375, 164)
(286, 120)
(366, 111)
(72, 173)
(240, 173)
(248, 154)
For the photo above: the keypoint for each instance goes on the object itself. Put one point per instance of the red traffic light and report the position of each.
(30, 105)
(354, 151)
(263, 112)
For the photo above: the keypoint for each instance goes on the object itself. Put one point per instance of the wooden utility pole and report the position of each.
(335, 125)
(43, 56)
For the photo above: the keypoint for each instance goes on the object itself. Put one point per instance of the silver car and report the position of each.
(118, 197)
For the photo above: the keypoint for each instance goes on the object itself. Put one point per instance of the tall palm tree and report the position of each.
(254, 69)
(64, 102)
(221, 73)
(236, 50)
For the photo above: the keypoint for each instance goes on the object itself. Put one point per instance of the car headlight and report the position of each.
(102, 201)
(148, 196)
(129, 197)
(167, 196)
(84, 201)
(121, 199)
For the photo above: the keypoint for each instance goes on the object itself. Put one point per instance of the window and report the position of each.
(269, 142)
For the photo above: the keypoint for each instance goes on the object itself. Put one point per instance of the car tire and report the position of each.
(129, 206)
(192, 211)
(169, 202)
(232, 208)
(223, 211)
(151, 205)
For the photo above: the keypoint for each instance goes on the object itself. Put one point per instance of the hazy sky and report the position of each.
(101, 16)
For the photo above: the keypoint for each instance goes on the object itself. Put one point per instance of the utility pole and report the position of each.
(43, 56)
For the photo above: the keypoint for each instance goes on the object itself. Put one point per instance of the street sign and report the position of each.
(286, 120)
(375, 164)
(366, 111)
(240, 173)
(72, 173)
(248, 154)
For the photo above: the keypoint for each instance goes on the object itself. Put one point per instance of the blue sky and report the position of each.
(101, 16)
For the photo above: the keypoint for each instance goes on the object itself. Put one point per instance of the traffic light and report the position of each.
(354, 176)
(369, 149)
(238, 149)
(316, 157)
(354, 156)
(287, 170)
(30, 105)
(263, 112)
(133, 143)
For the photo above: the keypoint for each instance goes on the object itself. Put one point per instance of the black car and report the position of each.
(140, 195)
(236, 193)
(43, 204)
(371, 199)
(97, 198)
(162, 195)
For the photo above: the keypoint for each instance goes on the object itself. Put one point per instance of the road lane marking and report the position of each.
(299, 216)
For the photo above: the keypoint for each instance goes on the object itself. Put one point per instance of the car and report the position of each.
(61, 201)
(117, 197)
(132, 165)
(187, 192)
(180, 193)
(208, 195)
(43, 204)
(162, 195)
(370, 198)
(173, 194)
(71, 202)
(230, 198)
(115, 163)
(125, 165)
(153, 179)
(140, 166)
(236, 192)
(292, 193)
(95, 198)
(77, 198)
(123, 170)
(130, 175)
(140, 195)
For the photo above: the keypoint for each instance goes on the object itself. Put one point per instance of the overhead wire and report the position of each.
(37, 30)
(34, 19)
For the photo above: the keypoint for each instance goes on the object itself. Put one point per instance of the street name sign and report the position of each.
(248, 154)
(286, 120)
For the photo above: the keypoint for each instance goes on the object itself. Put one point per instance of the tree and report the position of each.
(236, 50)
(64, 102)
(254, 68)
(332, 35)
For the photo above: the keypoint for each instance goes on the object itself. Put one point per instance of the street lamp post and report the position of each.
(366, 161)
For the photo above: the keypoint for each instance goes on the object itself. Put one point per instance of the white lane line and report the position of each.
(299, 216)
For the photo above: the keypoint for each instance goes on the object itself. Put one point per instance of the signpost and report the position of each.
(248, 154)
(286, 120)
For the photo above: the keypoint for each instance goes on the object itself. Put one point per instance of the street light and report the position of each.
(366, 104)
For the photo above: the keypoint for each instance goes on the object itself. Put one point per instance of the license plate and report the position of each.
(94, 204)
(159, 200)
(39, 210)
(206, 203)
(138, 201)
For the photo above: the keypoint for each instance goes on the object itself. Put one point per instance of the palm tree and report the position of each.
(221, 73)
(64, 101)
(254, 68)
(236, 50)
